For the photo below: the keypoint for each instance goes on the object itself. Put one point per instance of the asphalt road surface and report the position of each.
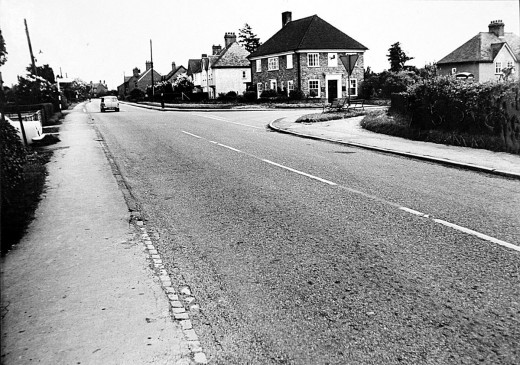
(307, 252)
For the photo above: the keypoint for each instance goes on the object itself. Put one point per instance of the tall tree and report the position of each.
(248, 39)
(397, 57)
(3, 51)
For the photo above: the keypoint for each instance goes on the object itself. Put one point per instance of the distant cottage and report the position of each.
(304, 55)
(488, 56)
(223, 71)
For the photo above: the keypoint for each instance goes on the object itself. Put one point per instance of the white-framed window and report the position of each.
(272, 84)
(332, 60)
(353, 87)
(509, 63)
(314, 88)
(289, 61)
(453, 70)
(272, 63)
(258, 65)
(290, 86)
(313, 59)
(498, 67)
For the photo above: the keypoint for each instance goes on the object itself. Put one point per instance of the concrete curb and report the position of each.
(167, 108)
(441, 161)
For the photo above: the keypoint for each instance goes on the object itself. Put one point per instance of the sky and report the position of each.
(103, 40)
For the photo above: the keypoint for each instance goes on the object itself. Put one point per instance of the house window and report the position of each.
(272, 63)
(353, 87)
(313, 60)
(272, 84)
(289, 61)
(510, 64)
(259, 89)
(314, 88)
(498, 67)
(290, 86)
(258, 65)
(332, 60)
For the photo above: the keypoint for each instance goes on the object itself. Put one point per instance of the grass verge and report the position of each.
(380, 121)
(324, 117)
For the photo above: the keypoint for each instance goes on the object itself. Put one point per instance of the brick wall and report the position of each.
(307, 73)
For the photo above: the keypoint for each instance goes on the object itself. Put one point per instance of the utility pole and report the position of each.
(30, 48)
(151, 62)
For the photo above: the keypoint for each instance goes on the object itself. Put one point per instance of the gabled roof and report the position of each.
(233, 55)
(147, 72)
(307, 33)
(180, 69)
(194, 66)
(483, 48)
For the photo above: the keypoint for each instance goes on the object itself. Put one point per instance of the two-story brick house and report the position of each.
(304, 55)
(138, 80)
(485, 56)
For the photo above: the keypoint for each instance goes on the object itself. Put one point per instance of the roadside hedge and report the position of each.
(447, 104)
(13, 157)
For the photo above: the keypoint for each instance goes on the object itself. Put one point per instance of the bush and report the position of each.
(269, 93)
(249, 96)
(384, 84)
(296, 94)
(13, 157)
(136, 95)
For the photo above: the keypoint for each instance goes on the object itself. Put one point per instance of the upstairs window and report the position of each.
(272, 63)
(498, 67)
(289, 61)
(258, 65)
(313, 59)
(332, 60)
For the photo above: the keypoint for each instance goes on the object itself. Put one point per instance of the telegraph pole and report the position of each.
(151, 62)
(30, 48)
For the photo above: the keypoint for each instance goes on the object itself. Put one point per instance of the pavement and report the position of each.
(86, 285)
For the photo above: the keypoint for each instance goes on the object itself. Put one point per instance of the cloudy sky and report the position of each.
(105, 39)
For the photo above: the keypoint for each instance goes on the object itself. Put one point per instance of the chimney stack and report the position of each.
(136, 72)
(229, 39)
(497, 28)
(204, 55)
(148, 65)
(216, 50)
(286, 18)
(174, 66)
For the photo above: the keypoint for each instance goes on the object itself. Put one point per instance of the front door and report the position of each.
(332, 89)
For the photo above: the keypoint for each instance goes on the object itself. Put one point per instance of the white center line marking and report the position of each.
(479, 235)
(191, 134)
(220, 119)
(300, 172)
(373, 197)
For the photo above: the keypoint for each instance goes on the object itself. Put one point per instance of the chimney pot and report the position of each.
(286, 18)
(229, 38)
(174, 66)
(497, 28)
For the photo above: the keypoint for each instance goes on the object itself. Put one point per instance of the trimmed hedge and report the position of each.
(13, 157)
(448, 104)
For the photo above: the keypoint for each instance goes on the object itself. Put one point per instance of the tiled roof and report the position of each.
(232, 56)
(194, 66)
(483, 48)
(170, 74)
(307, 33)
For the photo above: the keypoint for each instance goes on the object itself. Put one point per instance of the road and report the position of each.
(307, 252)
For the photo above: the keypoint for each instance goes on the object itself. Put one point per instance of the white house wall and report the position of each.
(487, 69)
(231, 79)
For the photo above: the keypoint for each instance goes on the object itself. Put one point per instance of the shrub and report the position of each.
(249, 96)
(136, 95)
(13, 157)
(296, 94)
(269, 93)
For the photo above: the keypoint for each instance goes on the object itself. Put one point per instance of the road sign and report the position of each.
(349, 61)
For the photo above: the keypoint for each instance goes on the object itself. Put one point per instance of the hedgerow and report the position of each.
(13, 157)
